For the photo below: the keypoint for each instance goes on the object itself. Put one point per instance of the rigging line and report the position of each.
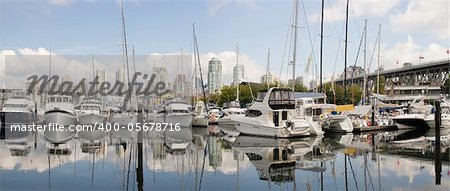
(373, 52)
(310, 39)
(285, 47)
(337, 52)
(353, 172)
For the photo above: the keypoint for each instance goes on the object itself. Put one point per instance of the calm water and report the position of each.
(202, 159)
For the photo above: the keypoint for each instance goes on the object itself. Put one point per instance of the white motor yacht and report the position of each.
(415, 117)
(445, 116)
(90, 111)
(227, 118)
(176, 112)
(308, 110)
(18, 109)
(273, 116)
(59, 109)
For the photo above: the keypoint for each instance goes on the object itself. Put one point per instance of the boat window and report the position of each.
(282, 99)
(253, 113)
(253, 156)
(308, 112)
(58, 99)
(179, 111)
(15, 105)
(284, 115)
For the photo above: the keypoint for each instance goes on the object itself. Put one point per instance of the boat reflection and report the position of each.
(202, 159)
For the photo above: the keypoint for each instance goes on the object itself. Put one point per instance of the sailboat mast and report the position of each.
(267, 68)
(365, 64)
(378, 70)
(125, 46)
(199, 65)
(321, 48)
(345, 54)
(294, 57)
(237, 80)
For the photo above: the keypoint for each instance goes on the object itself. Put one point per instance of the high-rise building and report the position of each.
(214, 75)
(268, 78)
(238, 73)
(180, 86)
(162, 75)
(101, 73)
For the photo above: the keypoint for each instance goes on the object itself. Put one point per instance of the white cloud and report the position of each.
(409, 51)
(430, 17)
(336, 11)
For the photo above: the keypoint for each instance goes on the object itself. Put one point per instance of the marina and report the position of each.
(224, 95)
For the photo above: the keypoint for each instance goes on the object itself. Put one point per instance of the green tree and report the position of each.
(354, 92)
(228, 94)
(300, 88)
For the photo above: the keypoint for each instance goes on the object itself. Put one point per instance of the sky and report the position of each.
(409, 30)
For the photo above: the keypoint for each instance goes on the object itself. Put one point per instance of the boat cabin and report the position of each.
(278, 98)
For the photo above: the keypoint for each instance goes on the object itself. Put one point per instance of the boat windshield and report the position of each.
(282, 99)
(261, 96)
(15, 105)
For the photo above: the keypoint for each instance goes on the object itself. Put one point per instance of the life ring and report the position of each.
(321, 116)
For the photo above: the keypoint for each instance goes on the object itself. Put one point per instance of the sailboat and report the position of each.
(91, 108)
(201, 110)
(340, 123)
(128, 116)
(273, 114)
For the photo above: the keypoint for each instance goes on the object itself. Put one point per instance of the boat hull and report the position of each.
(91, 118)
(59, 137)
(200, 121)
(410, 122)
(338, 124)
(250, 126)
(60, 118)
(124, 119)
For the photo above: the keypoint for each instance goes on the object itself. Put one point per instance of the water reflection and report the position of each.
(204, 159)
